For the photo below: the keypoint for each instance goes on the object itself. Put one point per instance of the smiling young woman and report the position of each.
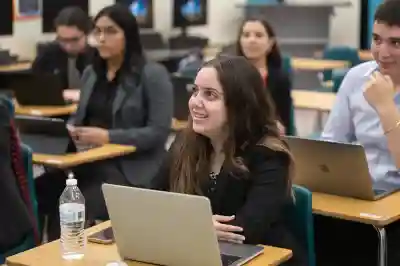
(232, 153)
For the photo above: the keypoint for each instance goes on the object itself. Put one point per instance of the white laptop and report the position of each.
(167, 228)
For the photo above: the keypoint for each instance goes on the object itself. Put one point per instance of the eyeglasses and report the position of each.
(73, 40)
(108, 32)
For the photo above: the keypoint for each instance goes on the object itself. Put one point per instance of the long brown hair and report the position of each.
(251, 119)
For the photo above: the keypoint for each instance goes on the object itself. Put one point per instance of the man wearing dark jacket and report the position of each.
(69, 55)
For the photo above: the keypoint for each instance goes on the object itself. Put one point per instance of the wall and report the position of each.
(346, 25)
(224, 19)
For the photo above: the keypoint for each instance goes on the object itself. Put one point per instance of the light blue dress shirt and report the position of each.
(352, 119)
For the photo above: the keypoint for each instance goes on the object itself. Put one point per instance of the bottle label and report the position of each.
(72, 212)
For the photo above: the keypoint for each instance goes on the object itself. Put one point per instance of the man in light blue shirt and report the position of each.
(367, 112)
(368, 102)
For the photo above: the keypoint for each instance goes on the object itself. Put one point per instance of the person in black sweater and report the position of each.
(257, 42)
(70, 54)
(232, 153)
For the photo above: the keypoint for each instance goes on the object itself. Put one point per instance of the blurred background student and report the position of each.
(257, 42)
(70, 54)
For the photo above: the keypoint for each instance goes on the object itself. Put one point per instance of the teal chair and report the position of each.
(337, 79)
(29, 241)
(344, 53)
(287, 65)
(299, 219)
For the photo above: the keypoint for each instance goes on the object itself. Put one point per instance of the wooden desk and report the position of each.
(100, 255)
(365, 55)
(314, 100)
(312, 64)
(73, 159)
(16, 67)
(48, 111)
(378, 213)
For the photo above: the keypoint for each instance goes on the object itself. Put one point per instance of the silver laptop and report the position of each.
(169, 229)
(335, 168)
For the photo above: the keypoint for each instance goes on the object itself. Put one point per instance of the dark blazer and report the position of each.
(279, 85)
(53, 59)
(257, 200)
(142, 115)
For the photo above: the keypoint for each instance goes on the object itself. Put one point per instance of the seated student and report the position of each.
(232, 153)
(125, 100)
(70, 54)
(367, 112)
(257, 42)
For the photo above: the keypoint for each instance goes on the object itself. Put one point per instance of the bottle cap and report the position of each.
(72, 182)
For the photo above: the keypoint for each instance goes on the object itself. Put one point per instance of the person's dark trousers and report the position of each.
(340, 242)
(49, 188)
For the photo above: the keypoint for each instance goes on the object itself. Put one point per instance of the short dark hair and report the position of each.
(73, 17)
(388, 13)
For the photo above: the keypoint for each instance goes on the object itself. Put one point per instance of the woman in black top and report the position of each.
(124, 100)
(232, 153)
(257, 42)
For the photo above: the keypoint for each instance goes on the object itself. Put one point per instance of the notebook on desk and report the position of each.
(38, 89)
(166, 228)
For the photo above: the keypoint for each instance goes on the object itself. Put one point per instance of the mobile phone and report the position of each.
(105, 236)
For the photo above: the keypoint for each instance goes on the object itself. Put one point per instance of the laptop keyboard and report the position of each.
(228, 260)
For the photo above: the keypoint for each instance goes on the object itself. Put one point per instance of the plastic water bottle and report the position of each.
(72, 221)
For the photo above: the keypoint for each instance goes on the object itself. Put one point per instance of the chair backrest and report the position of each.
(345, 53)
(287, 65)
(152, 40)
(337, 79)
(187, 42)
(299, 219)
